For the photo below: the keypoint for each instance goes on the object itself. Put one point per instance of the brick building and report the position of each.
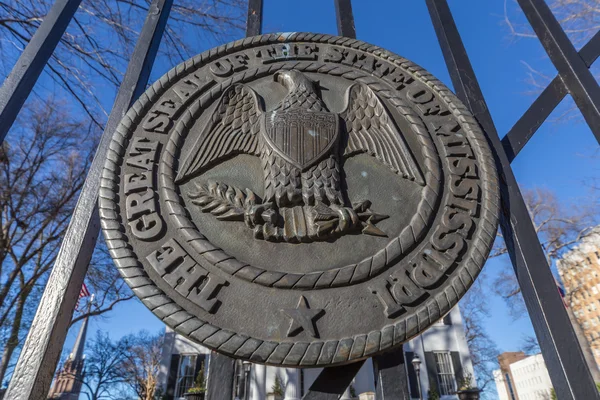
(579, 270)
(522, 377)
(68, 380)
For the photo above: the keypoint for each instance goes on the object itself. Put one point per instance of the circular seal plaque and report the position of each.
(299, 199)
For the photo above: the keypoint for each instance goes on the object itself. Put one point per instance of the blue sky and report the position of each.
(559, 157)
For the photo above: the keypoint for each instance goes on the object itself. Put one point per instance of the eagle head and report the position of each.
(294, 80)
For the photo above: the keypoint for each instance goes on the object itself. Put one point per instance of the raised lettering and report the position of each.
(465, 167)
(405, 291)
(427, 272)
(190, 280)
(192, 85)
(164, 259)
(147, 227)
(205, 296)
(464, 187)
(138, 181)
(156, 122)
(142, 154)
(398, 79)
(381, 289)
(137, 204)
(421, 96)
(395, 292)
(333, 55)
(228, 66)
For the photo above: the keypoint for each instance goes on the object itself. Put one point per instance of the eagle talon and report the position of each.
(258, 214)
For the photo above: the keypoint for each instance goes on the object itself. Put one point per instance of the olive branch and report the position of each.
(229, 203)
(226, 202)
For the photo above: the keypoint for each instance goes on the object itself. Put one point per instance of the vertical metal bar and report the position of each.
(221, 372)
(332, 382)
(39, 356)
(540, 110)
(562, 354)
(345, 18)
(255, 18)
(571, 68)
(391, 381)
(25, 73)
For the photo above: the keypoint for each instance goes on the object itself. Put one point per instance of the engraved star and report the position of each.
(303, 318)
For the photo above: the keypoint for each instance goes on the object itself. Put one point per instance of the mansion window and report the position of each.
(185, 374)
(445, 373)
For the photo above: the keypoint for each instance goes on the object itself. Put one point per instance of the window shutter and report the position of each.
(412, 375)
(457, 366)
(172, 377)
(432, 371)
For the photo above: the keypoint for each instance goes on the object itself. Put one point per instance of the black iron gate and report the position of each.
(565, 361)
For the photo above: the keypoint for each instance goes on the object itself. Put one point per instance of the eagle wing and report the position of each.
(371, 130)
(232, 129)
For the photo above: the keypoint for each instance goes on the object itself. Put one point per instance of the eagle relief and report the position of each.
(299, 199)
(300, 144)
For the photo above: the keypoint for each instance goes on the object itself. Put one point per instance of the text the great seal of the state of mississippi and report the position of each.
(299, 199)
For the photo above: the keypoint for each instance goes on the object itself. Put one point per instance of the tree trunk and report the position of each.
(13, 340)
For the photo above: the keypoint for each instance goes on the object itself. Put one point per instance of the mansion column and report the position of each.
(258, 382)
(292, 384)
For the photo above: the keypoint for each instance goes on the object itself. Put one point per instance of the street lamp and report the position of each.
(247, 366)
(416, 362)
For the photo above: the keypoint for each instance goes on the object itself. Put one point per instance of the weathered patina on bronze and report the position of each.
(299, 199)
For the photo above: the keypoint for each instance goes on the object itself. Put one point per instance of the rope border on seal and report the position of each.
(299, 353)
(335, 277)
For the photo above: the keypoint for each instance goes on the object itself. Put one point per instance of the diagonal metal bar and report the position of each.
(39, 356)
(221, 371)
(345, 18)
(255, 18)
(542, 107)
(577, 77)
(391, 381)
(560, 348)
(25, 73)
(332, 382)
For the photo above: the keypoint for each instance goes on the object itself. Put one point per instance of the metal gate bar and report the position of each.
(391, 380)
(345, 18)
(572, 380)
(255, 18)
(560, 348)
(332, 382)
(18, 85)
(220, 385)
(221, 372)
(518, 136)
(577, 78)
(35, 369)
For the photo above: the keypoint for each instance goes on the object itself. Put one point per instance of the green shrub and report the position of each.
(199, 383)
(277, 389)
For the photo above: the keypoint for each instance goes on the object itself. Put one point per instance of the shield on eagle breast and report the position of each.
(301, 138)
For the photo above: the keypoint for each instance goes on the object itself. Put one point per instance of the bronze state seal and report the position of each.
(299, 199)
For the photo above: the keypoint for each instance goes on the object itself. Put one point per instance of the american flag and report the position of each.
(84, 292)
